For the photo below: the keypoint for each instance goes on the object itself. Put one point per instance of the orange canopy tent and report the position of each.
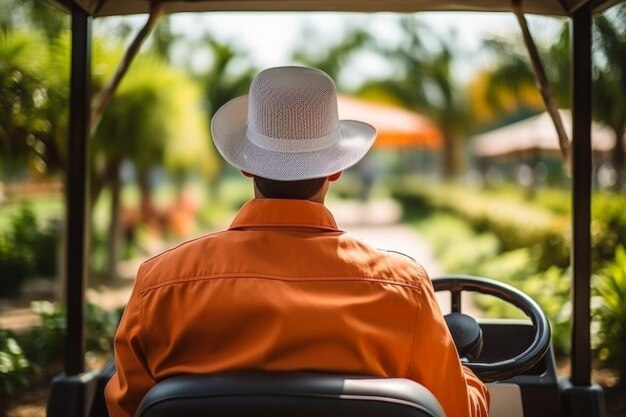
(396, 127)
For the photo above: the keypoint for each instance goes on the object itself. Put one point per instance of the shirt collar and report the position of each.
(284, 213)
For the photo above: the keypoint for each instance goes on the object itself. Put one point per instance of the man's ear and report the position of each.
(334, 177)
(247, 174)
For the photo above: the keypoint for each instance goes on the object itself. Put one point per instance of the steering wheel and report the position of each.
(470, 335)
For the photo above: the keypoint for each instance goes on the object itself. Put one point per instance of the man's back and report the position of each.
(284, 290)
(284, 296)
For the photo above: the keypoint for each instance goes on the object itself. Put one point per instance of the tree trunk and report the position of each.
(619, 159)
(450, 157)
(148, 213)
(115, 237)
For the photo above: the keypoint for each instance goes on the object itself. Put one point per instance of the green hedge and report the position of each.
(526, 243)
(608, 228)
(44, 344)
(27, 248)
(543, 225)
(461, 249)
(21, 357)
(14, 366)
(609, 312)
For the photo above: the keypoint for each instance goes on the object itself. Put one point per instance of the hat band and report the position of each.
(292, 145)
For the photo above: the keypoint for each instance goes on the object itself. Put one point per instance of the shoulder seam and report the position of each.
(188, 242)
(399, 253)
(284, 279)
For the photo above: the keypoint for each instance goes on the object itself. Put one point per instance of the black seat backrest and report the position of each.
(288, 395)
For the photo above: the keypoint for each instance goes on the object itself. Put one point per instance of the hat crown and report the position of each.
(293, 103)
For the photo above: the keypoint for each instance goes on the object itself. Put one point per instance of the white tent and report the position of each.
(535, 133)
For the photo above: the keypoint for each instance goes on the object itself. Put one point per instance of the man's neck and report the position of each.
(319, 197)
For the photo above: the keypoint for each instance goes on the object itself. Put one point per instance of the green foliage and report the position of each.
(44, 344)
(500, 235)
(26, 249)
(424, 82)
(445, 231)
(23, 101)
(14, 367)
(16, 252)
(608, 228)
(14, 268)
(609, 312)
(330, 58)
(549, 288)
(515, 223)
(543, 225)
(509, 266)
(460, 249)
(23, 14)
(154, 119)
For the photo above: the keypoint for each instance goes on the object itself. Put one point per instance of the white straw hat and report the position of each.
(287, 128)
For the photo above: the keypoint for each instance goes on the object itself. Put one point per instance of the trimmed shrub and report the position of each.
(609, 313)
(14, 367)
(26, 249)
(461, 250)
(532, 254)
(44, 344)
(515, 223)
(14, 267)
(608, 228)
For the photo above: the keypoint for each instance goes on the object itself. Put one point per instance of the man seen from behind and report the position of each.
(283, 288)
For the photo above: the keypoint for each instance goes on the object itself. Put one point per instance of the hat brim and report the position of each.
(228, 129)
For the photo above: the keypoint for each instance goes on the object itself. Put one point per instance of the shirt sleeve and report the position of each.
(436, 365)
(132, 379)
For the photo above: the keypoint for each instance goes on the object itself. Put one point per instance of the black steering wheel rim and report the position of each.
(495, 371)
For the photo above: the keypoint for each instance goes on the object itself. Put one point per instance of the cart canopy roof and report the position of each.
(124, 7)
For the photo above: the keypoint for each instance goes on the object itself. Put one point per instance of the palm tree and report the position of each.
(30, 122)
(145, 123)
(19, 67)
(33, 14)
(151, 126)
(163, 38)
(425, 83)
(220, 84)
(510, 85)
(334, 57)
(514, 75)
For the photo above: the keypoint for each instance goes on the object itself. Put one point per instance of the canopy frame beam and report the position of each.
(156, 11)
(542, 83)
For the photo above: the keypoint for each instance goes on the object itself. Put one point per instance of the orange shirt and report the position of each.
(284, 290)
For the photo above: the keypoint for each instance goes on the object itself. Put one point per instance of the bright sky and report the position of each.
(270, 38)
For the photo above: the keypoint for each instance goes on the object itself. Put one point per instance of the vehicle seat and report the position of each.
(288, 395)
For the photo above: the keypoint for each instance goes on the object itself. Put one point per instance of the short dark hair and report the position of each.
(294, 190)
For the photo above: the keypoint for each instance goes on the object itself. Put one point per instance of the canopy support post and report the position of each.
(77, 191)
(580, 396)
(581, 195)
(100, 103)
